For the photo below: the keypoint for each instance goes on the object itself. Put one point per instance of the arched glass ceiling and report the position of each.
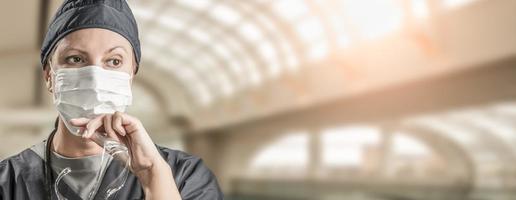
(345, 146)
(362, 149)
(486, 133)
(217, 48)
(287, 152)
(484, 137)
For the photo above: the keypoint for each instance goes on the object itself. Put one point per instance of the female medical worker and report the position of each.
(90, 54)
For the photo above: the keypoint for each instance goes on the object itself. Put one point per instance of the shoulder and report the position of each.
(25, 159)
(193, 178)
(178, 157)
(183, 163)
(15, 166)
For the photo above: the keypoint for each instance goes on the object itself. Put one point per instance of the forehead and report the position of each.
(93, 39)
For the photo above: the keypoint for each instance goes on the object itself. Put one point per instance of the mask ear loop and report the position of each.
(119, 152)
(60, 177)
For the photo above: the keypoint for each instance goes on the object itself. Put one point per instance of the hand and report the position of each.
(152, 170)
(127, 130)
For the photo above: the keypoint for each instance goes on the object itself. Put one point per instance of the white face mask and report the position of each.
(87, 92)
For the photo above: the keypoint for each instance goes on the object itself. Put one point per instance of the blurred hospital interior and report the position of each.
(307, 99)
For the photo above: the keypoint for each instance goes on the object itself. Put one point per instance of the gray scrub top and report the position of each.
(22, 177)
(86, 172)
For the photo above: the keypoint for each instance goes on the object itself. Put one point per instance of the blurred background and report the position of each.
(307, 99)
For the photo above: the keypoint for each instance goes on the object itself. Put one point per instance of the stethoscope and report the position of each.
(47, 167)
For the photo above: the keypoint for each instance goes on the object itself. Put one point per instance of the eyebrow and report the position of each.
(66, 49)
(116, 47)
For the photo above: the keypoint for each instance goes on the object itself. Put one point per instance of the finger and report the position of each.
(79, 122)
(117, 123)
(130, 123)
(107, 126)
(126, 119)
(92, 126)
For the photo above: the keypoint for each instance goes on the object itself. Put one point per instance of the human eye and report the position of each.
(74, 60)
(114, 62)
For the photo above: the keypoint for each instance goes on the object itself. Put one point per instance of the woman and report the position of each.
(90, 54)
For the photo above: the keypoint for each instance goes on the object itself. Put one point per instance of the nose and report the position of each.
(97, 61)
